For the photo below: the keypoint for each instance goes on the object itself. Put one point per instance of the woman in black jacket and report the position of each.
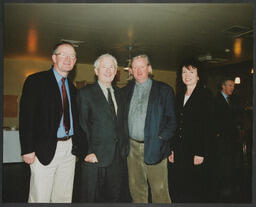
(190, 150)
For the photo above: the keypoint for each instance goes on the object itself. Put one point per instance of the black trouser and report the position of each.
(190, 184)
(225, 170)
(101, 184)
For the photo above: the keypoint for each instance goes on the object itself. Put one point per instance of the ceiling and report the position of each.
(167, 33)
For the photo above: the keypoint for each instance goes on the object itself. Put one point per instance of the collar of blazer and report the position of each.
(53, 86)
(152, 95)
(55, 91)
(99, 95)
(182, 96)
(223, 100)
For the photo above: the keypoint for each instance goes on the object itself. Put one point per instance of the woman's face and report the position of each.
(189, 76)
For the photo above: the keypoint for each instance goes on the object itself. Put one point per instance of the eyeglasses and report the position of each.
(63, 55)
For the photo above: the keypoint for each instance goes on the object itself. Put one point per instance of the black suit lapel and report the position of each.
(72, 92)
(180, 100)
(118, 101)
(101, 99)
(223, 100)
(191, 98)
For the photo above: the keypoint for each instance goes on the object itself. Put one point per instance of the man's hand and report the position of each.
(29, 158)
(171, 157)
(91, 158)
(198, 160)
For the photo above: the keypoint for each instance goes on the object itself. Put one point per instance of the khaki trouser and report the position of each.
(140, 174)
(53, 183)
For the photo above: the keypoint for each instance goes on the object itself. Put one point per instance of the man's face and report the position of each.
(106, 71)
(65, 59)
(140, 69)
(228, 87)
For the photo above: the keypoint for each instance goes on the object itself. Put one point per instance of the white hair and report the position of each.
(97, 61)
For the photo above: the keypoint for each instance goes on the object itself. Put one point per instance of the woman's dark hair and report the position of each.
(180, 86)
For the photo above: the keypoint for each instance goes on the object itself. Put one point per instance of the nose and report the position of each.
(139, 70)
(187, 75)
(108, 70)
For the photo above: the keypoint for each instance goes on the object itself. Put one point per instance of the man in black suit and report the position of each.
(227, 133)
(150, 112)
(49, 127)
(101, 118)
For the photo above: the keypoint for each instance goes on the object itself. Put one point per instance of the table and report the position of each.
(11, 146)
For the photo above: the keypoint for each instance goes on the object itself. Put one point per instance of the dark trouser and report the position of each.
(189, 180)
(225, 172)
(190, 184)
(101, 184)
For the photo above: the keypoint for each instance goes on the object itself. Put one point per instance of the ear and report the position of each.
(115, 71)
(130, 70)
(54, 58)
(149, 69)
(75, 61)
(96, 71)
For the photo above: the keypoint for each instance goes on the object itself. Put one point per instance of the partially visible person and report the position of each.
(190, 151)
(150, 111)
(101, 112)
(49, 128)
(228, 137)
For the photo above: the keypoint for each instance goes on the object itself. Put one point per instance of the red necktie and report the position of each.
(65, 107)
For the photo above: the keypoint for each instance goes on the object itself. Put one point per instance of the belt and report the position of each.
(139, 141)
(64, 138)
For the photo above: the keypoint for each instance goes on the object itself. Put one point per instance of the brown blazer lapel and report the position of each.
(55, 92)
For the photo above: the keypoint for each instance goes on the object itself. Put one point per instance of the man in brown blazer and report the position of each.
(49, 128)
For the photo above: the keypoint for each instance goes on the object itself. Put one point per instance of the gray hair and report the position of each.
(97, 61)
(141, 56)
(56, 47)
(144, 56)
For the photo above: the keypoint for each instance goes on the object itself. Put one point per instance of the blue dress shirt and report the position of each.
(225, 96)
(61, 130)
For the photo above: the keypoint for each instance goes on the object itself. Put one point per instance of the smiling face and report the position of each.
(189, 76)
(140, 69)
(64, 59)
(106, 71)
